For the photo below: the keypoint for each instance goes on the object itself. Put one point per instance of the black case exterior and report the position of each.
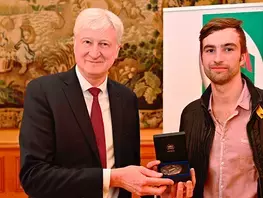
(170, 149)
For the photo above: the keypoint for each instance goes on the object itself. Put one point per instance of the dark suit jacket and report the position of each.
(59, 156)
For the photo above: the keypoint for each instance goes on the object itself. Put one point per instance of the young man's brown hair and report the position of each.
(217, 24)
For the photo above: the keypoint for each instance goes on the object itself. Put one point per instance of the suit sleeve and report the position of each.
(39, 176)
(137, 131)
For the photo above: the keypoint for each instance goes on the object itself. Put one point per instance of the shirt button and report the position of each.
(223, 139)
(222, 186)
(222, 163)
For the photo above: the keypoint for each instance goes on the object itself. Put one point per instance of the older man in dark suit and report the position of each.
(80, 132)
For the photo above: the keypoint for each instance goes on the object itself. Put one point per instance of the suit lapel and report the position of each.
(116, 118)
(77, 103)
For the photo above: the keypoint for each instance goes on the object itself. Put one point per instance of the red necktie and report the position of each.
(98, 126)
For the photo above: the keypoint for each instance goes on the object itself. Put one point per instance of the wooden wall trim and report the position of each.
(9, 138)
(18, 187)
(147, 135)
(2, 174)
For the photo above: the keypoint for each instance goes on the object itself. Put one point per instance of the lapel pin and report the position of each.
(260, 112)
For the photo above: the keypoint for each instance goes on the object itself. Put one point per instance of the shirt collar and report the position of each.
(243, 100)
(85, 85)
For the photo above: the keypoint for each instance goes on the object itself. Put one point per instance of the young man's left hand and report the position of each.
(180, 189)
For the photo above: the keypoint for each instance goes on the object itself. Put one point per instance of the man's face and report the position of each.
(221, 55)
(95, 51)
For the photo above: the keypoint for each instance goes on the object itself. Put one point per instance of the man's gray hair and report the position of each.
(97, 18)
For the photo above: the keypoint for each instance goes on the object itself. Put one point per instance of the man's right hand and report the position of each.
(139, 180)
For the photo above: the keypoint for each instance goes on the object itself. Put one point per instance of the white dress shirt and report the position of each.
(106, 116)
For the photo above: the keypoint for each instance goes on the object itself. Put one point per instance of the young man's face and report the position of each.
(95, 51)
(221, 56)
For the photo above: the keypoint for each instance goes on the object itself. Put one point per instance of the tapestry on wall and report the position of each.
(36, 40)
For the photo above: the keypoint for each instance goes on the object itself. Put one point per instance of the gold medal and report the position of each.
(171, 169)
